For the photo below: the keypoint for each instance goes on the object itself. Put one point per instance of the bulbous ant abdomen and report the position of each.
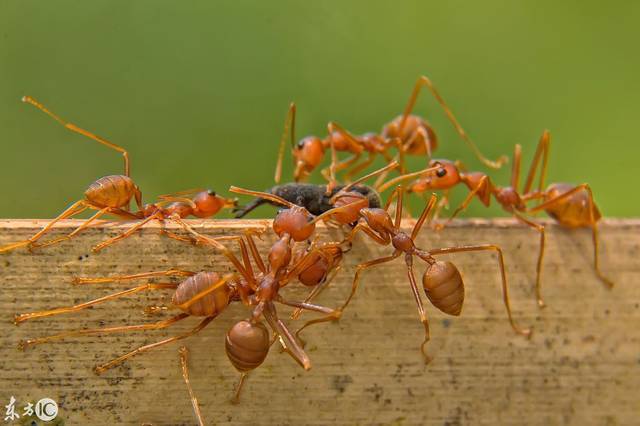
(443, 285)
(211, 304)
(111, 191)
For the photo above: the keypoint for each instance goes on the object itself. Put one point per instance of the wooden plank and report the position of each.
(582, 365)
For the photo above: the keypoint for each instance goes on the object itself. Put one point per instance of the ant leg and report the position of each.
(423, 216)
(337, 313)
(153, 326)
(425, 81)
(505, 286)
(316, 292)
(76, 208)
(99, 369)
(255, 253)
(399, 205)
(236, 396)
(128, 233)
(40, 314)
(443, 203)
(289, 123)
(74, 128)
(483, 185)
(515, 167)
(592, 219)
(184, 354)
(423, 315)
(541, 150)
(540, 229)
(310, 307)
(398, 179)
(370, 232)
(360, 167)
(295, 351)
(86, 224)
(120, 278)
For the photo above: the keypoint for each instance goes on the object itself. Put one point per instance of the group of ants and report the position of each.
(350, 206)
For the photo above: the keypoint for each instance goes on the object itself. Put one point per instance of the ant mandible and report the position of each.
(570, 205)
(441, 281)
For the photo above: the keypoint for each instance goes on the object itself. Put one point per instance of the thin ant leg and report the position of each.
(424, 81)
(104, 330)
(184, 354)
(316, 291)
(74, 128)
(127, 233)
(214, 243)
(86, 224)
(399, 203)
(295, 350)
(255, 253)
(40, 314)
(540, 229)
(239, 386)
(383, 241)
(515, 167)
(423, 216)
(289, 123)
(541, 150)
(505, 286)
(483, 186)
(356, 169)
(354, 146)
(398, 179)
(76, 208)
(337, 313)
(143, 275)
(421, 312)
(594, 227)
(264, 195)
(392, 165)
(99, 369)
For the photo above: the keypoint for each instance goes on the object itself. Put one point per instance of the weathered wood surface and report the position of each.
(582, 365)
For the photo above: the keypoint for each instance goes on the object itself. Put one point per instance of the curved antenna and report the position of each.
(264, 195)
(74, 128)
(424, 81)
(289, 124)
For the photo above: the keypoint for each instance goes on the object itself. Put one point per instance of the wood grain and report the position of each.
(582, 365)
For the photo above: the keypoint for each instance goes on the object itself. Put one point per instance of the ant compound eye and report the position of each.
(211, 192)
(441, 172)
(300, 144)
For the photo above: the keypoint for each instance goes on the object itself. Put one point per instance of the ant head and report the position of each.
(378, 220)
(444, 176)
(308, 154)
(354, 201)
(207, 203)
(181, 209)
(294, 221)
(149, 209)
(280, 254)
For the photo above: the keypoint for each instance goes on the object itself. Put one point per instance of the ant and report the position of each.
(441, 281)
(109, 194)
(409, 133)
(112, 195)
(570, 205)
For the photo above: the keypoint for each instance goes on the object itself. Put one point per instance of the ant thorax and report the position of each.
(280, 254)
(403, 242)
(509, 198)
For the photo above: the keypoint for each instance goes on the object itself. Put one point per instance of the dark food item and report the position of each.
(310, 196)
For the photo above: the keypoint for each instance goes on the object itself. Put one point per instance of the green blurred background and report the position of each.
(197, 91)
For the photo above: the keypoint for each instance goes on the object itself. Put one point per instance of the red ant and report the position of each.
(112, 195)
(441, 281)
(570, 205)
(410, 134)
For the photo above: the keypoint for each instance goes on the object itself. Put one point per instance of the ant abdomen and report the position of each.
(314, 274)
(443, 285)
(111, 191)
(247, 345)
(211, 304)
